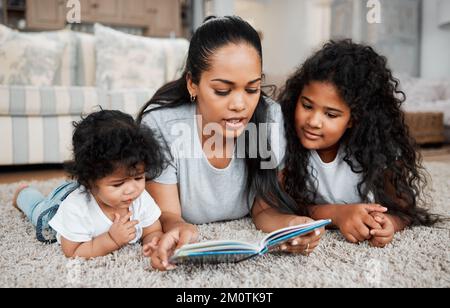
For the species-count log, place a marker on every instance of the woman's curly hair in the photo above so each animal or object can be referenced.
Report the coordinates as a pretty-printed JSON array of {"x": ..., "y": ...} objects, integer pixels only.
[
  {"x": 379, "y": 140},
  {"x": 107, "y": 140}
]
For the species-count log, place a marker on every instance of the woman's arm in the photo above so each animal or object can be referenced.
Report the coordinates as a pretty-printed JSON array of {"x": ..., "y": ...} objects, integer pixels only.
[
  {"x": 152, "y": 232},
  {"x": 177, "y": 231},
  {"x": 268, "y": 219},
  {"x": 167, "y": 197}
]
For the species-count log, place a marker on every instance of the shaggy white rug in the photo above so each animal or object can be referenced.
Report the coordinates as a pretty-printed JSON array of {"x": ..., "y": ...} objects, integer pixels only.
[{"x": 418, "y": 257}]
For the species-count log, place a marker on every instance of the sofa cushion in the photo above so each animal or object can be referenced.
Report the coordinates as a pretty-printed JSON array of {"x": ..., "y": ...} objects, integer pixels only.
[
  {"x": 423, "y": 90},
  {"x": 130, "y": 101},
  {"x": 126, "y": 61},
  {"x": 66, "y": 73},
  {"x": 176, "y": 51},
  {"x": 28, "y": 60},
  {"x": 85, "y": 73},
  {"x": 36, "y": 140},
  {"x": 50, "y": 101}
]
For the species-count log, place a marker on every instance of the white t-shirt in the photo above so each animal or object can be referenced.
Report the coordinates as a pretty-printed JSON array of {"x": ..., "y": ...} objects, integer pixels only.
[
  {"x": 336, "y": 182},
  {"x": 80, "y": 219}
]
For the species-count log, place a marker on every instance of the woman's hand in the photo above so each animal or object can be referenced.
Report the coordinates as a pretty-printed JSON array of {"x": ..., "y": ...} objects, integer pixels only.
[
  {"x": 355, "y": 221},
  {"x": 303, "y": 244},
  {"x": 383, "y": 236},
  {"x": 162, "y": 249}
]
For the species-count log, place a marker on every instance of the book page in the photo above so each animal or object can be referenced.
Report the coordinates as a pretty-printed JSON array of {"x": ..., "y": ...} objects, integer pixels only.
[{"x": 283, "y": 235}]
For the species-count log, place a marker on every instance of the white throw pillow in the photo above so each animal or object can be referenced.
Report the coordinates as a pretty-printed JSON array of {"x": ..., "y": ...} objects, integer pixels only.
[
  {"x": 422, "y": 90},
  {"x": 176, "y": 55},
  {"x": 27, "y": 59},
  {"x": 66, "y": 73},
  {"x": 127, "y": 61}
]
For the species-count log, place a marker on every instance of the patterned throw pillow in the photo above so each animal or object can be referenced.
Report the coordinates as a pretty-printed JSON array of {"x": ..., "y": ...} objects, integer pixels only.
[
  {"x": 126, "y": 61},
  {"x": 28, "y": 60}
]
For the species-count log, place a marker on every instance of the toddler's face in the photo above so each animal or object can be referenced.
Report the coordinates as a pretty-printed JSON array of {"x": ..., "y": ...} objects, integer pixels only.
[
  {"x": 321, "y": 116},
  {"x": 120, "y": 189}
]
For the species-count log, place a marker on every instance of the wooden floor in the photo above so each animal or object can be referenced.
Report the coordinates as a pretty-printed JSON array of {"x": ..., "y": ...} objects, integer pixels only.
[
  {"x": 42, "y": 173},
  {"x": 34, "y": 173}
]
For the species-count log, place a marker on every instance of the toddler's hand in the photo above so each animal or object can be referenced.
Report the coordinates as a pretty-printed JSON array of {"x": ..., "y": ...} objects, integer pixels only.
[
  {"x": 123, "y": 230},
  {"x": 384, "y": 235}
]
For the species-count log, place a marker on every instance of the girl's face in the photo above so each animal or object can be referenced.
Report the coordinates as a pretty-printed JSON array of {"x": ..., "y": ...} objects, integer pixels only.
[
  {"x": 321, "y": 117},
  {"x": 120, "y": 189},
  {"x": 229, "y": 91}
]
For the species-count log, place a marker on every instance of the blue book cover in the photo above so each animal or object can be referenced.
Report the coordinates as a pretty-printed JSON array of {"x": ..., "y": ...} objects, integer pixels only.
[{"x": 216, "y": 252}]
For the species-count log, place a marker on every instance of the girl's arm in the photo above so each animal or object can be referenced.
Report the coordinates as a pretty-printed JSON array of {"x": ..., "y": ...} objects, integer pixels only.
[
  {"x": 100, "y": 246},
  {"x": 325, "y": 212},
  {"x": 121, "y": 233}
]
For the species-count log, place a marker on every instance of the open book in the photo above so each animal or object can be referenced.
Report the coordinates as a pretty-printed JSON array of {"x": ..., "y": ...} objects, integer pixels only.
[{"x": 236, "y": 251}]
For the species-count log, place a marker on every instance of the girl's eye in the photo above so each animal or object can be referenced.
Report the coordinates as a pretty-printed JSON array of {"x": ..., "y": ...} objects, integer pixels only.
[
  {"x": 222, "y": 93},
  {"x": 307, "y": 107},
  {"x": 139, "y": 178},
  {"x": 252, "y": 91},
  {"x": 118, "y": 185},
  {"x": 332, "y": 116}
]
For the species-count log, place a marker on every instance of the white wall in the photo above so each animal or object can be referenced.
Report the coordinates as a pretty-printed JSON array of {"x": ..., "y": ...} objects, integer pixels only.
[
  {"x": 435, "y": 58},
  {"x": 291, "y": 29}
]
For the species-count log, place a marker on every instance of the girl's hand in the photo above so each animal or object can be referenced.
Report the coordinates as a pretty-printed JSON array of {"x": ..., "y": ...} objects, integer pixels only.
[
  {"x": 123, "y": 230},
  {"x": 355, "y": 221},
  {"x": 303, "y": 244},
  {"x": 174, "y": 239},
  {"x": 383, "y": 236}
]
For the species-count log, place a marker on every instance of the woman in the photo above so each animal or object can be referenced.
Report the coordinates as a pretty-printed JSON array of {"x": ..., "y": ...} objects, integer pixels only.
[{"x": 217, "y": 171}]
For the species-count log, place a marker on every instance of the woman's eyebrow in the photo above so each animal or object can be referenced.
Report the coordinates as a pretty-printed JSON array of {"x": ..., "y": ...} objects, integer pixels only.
[{"x": 232, "y": 83}]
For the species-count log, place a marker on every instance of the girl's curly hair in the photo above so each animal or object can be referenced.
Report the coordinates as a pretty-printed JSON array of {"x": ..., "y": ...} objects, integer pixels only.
[
  {"x": 379, "y": 140},
  {"x": 107, "y": 140}
]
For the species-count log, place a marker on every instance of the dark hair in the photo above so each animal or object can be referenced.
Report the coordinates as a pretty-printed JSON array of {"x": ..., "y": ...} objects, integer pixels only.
[
  {"x": 215, "y": 33},
  {"x": 107, "y": 140},
  {"x": 379, "y": 140}
]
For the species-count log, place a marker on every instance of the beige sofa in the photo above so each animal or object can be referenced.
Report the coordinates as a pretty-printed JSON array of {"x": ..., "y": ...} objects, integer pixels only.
[{"x": 36, "y": 119}]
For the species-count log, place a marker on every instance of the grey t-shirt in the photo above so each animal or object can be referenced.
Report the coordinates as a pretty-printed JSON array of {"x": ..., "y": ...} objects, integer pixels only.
[{"x": 208, "y": 194}]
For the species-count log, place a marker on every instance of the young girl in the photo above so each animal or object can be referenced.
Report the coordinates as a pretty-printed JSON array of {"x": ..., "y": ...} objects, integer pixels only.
[
  {"x": 349, "y": 155},
  {"x": 110, "y": 208},
  {"x": 218, "y": 95}
]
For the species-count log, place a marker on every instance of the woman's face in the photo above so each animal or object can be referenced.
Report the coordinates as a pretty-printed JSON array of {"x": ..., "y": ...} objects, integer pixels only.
[
  {"x": 321, "y": 117},
  {"x": 229, "y": 91}
]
